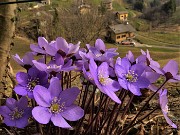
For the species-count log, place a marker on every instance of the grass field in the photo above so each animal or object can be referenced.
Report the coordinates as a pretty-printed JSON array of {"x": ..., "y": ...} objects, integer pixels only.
[{"x": 159, "y": 38}]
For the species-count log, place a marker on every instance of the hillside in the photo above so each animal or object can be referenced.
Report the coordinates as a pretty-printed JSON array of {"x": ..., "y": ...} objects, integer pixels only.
[{"x": 164, "y": 33}]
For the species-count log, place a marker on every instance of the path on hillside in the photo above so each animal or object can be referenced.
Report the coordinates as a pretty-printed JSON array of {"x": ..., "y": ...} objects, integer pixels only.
[{"x": 155, "y": 40}]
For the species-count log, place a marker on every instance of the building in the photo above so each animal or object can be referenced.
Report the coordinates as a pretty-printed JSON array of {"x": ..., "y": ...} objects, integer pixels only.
[
  {"x": 121, "y": 15},
  {"x": 120, "y": 32},
  {"x": 107, "y": 4}
]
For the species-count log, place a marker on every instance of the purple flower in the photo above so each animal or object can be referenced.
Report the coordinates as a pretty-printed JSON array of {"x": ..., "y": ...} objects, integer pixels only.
[
  {"x": 152, "y": 77},
  {"x": 56, "y": 105},
  {"x": 61, "y": 47},
  {"x": 99, "y": 51},
  {"x": 54, "y": 66},
  {"x": 150, "y": 61},
  {"x": 101, "y": 78},
  {"x": 163, "y": 103},
  {"x": 40, "y": 48},
  {"x": 130, "y": 77},
  {"x": 141, "y": 59},
  {"x": 27, "y": 81},
  {"x": 170, "y": 71},
  {"x": 16, "y": 113},
  {"x": 26, "y": 61}
]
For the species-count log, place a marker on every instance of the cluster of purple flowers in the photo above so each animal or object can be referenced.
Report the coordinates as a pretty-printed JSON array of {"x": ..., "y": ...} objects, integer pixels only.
[{"x": 43, "y": 80}]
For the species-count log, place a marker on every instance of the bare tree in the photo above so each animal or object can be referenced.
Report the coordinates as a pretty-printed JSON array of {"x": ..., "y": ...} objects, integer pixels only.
[
  {"x": 74, "y": 26},
  {"x": 7, "y": 28}
]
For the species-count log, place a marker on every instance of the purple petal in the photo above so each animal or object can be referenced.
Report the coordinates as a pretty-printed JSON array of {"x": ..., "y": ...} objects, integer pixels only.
[
  {"x": 69, "y": 95},
  {"x": 11, "y": 103},
  {"x": 73, "y": 113},
  {"x": 37, "y": 49},
  {"x": 152, "y": 76},
  {"x": 112, "y": 95},
  {"x": 158, "y": 70},
  {"x": 169, "y": 121},
  {"x": 5, "y": 111},
  {"x": 73, "y": 48},
  {"x": 62, "y": 44},
  {"x": 143, "y": 82},
  {"x": 18, "y": 59},
  {"x": 40, "y": 66},
  {"x": 125, "y": 64},
  {"x": 154, "y": 63},
  {"x": 22, "y": 78},
  {"x": 41, "y": 114},
  {"x": 123, "y": 83},
  {"x": 9, "y": 122},
  {"x": 43, "y": 78},
  {"x": 172, "y": 67},
  {"x": 27, "y": 59},
  {"x": 21, "y": 90},
  {"x": 59, "y": 121},
  {"x": 33, "y": 72},
  {"x": 134, "y": 89},
  {"x": 163, "y": 100},
  {"x": 141, "y": 59},
  {"x": 143, "y": 52},
  {"x": 22, "y": 103},
  {"x": 51, "y": 50},
  {"x": 27, "y": 112},
  {"x": 118, "y": 61},
  {"x": 138, "y": 69},
  {"x": 42, "y": 42},
  {"x": 130, "y": 56},
  {"x": 42, "y": 96},
  {"x": 30, "y": 95},
  {"x": 93, "y": 69},
  {"x": 112, "y": 85},
  {"x": 100, "y": 45},
  {"x": 59, "y": 59},
  {"x": 153, "y": 87},
  {"x": 120, "y": 71},
  {"x": 68, "y": 64},
  {"x": 110, "y": 54},
  {"x": 55, "y": 87},
  {"x": 22, "y": 122},
  {"x": 103, "y": 70}
]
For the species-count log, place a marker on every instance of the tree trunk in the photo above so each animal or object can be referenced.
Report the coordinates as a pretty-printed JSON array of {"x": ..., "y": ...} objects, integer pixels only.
[{"x": 7, "y": 29}]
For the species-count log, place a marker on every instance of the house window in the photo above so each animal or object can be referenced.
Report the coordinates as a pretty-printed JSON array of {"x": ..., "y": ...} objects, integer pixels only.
[
  {"x": 123, "y": 36},
  {"x": 118, "y": 37}
]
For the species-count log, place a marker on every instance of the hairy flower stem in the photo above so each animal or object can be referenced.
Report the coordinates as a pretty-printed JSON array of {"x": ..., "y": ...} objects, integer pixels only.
[
  {"x": 62, "y": 80},
  {"x": 130, "y": 125},
  {"x": 70, "y": 79},
  {"x": 117, "y": 112},
  {"x": 85, "y": 110},
  {"x": 97, "y": 114},
  {"x": 127, "y": 106},
  {"x": 91, "y": 114},
  {"x": 111, "y": 115},
  {"x": 139, "y": 121},
  {"x": 85, "y": 94},
  {"x": 67, "y": 80}
]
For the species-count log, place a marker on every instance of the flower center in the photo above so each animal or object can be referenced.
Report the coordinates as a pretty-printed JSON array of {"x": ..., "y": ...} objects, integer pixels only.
[
  {"x": 32, "y": 83},
  {"x": 131, "y": 76},
  {"x": 16, "y": 114},
  {"x": 56, "y": 106},
  {"x": 98, "y": 55},
  {"x": 53, "y": 66},
  {"x": 103, "y": 80}
]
